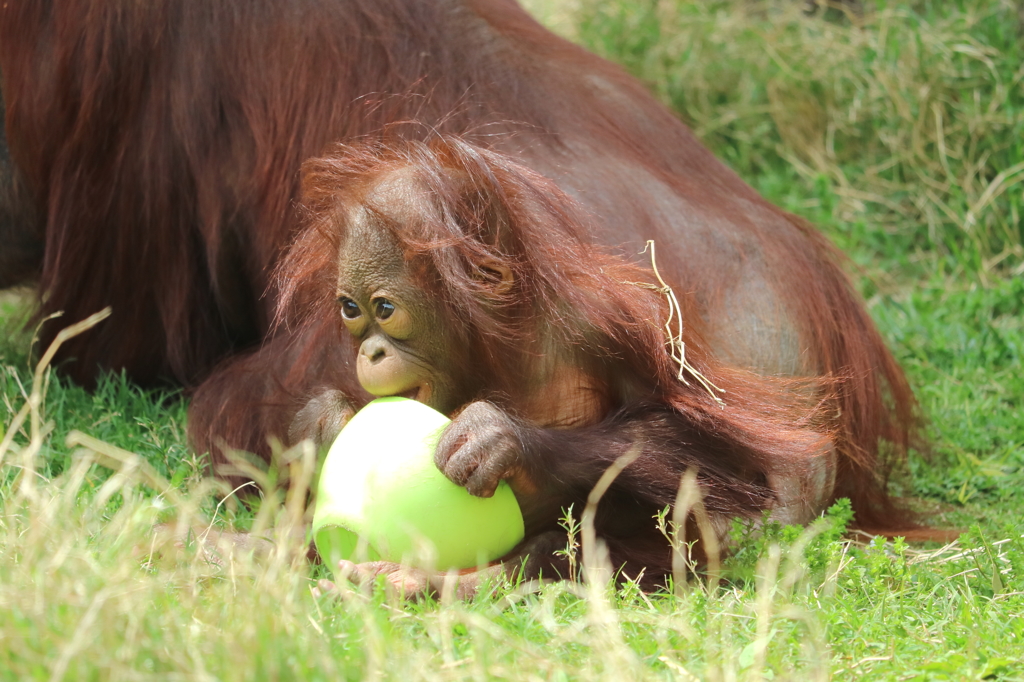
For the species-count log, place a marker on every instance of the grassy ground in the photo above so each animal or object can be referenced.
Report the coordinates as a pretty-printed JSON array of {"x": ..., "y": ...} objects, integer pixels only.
[{"x": 898, "y": 130}]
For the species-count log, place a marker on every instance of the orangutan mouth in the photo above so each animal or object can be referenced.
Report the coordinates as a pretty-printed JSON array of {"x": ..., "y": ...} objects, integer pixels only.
[{"x": 418, "y": 393}]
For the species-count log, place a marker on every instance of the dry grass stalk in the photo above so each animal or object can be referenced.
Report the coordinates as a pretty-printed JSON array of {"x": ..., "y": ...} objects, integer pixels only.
[{"x": 676, "y": 345}]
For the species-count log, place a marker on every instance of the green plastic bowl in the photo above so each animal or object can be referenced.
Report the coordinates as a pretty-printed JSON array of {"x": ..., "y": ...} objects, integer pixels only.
[{"x": 380, "y": 497}]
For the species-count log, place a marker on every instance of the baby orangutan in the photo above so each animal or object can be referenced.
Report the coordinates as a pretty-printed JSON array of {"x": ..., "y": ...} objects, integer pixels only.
[{"x": 469, "y": 282}]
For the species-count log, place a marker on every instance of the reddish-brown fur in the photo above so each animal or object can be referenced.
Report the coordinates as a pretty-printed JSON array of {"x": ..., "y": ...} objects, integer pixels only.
[
  {"x": 159, "y": 143},
  {"x": 571, "y": 306}
]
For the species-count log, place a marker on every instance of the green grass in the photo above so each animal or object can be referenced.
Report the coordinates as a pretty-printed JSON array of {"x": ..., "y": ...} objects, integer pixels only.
[
  {"x": 899, "y": 131},
  {"x": 900, "y": 126}
]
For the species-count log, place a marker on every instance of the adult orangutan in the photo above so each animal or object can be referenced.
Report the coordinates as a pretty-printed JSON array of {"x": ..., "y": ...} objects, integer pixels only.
[{"x": 155, "y": 150}]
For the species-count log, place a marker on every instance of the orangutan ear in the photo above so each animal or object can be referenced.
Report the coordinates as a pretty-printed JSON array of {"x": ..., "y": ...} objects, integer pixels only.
[{"x": 497, "y": 275}]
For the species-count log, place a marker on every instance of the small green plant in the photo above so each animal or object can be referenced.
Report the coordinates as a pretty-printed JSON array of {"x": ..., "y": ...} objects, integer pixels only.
[{"x": 571, "y": 552}]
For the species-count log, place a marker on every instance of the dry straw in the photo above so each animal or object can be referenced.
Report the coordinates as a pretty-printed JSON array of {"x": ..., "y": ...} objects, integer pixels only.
[{"x": 675, "y": 343}]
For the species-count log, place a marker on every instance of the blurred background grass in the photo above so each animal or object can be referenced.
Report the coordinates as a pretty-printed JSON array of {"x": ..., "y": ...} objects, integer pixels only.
[{"x": 894, "y": 126}]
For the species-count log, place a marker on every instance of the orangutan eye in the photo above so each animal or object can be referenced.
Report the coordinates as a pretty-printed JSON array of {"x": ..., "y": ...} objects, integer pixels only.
[
  {"x": 383, "y": 308},
  {"x": 349, "y": 308},
  {"x": 393, "y": 319}
]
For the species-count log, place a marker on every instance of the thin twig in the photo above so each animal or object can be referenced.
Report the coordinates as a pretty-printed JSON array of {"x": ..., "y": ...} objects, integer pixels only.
[{"x": 676, "y": 345}]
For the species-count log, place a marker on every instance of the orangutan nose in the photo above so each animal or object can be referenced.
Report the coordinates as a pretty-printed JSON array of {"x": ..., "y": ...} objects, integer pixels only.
[
  {"x": 382, "y": 370},
  {"x": 373, "y": 349}
]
